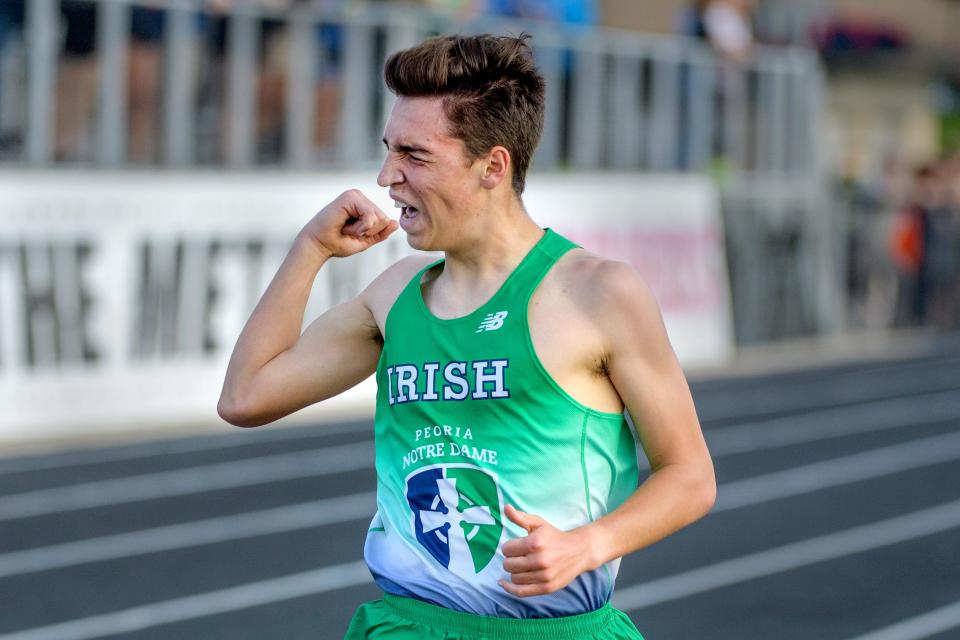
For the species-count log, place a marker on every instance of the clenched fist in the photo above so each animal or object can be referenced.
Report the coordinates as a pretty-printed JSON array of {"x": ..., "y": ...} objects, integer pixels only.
[
  {"x": 348, "y": 225},
  {"x": 547, "y": 559}
]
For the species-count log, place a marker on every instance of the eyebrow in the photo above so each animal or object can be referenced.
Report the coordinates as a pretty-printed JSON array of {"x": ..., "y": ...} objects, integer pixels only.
[{"x": 407, "y": 148}]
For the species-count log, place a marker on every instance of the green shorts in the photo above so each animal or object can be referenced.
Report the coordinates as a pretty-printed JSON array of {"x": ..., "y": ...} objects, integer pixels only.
[{"x": 397, "y": 618}]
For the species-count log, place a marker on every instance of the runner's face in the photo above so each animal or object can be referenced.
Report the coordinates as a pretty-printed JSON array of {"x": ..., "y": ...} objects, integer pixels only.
[{"x": 428, "y": 174}]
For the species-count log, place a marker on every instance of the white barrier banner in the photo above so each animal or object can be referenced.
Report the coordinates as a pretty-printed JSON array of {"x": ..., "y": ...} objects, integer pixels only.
[{"x": 121, "y": 294}]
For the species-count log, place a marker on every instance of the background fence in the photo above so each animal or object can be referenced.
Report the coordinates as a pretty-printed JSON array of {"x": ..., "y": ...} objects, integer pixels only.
[{"x": 174, "y": 84}]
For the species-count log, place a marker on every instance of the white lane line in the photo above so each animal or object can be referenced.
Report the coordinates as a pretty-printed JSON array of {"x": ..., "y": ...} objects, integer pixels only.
[
  {"x": 302, "y": 515},
  {"x": 833, "y": 423},
  {"x": 227, "y": 440},
  {"x": 792, "y": 556},
  {"x": 850, "y": 541},
  {"x": 838, "y": 471},
  {"x": 356, "y": 456},
  {"x": 223, "y": 475},
  {"x": 922, "y": 626},
  {"x": 741, "y": 493},
  {"x": 253, "y": 594}
]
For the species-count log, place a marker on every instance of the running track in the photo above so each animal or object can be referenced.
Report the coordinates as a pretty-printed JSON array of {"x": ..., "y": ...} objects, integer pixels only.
[{"x": 838, "y": 518}]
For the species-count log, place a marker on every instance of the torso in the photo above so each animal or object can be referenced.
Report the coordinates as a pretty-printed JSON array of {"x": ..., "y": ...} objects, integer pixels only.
[{"x": 489, "y": 397}]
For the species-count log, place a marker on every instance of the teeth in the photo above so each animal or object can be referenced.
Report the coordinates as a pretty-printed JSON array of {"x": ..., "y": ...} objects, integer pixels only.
[{"x": 397, "y": 204}]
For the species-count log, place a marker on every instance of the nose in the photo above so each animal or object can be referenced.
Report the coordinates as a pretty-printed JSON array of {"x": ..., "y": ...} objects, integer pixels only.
[{"x": 389, "y": 174}]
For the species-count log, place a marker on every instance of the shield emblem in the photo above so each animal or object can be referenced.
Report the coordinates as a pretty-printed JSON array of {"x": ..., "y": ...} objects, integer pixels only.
[{"x": 456, "y": 515}]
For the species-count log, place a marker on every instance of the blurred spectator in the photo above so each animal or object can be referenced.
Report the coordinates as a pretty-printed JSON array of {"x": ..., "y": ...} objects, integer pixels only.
[
  {"x": 952, "y": 294},
  {"x": 76, "y": 81},
  {"x": 328, "y": 91},
  {"x": 11, "y": 24},
  {"x": 925, "y": 246},
  {"x": 272, "y": 81},
  {"x": 144, "y": 80},
  {"x": 269, "y": 85},
  {"x": 942, "y": 257},
  {"x": 727, "y": 25},
  {"x": 273, "y": 69},
  {"x": 11, "y": 21}
]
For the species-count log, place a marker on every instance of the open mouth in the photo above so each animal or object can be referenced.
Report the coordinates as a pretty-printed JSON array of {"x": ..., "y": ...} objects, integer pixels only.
[{"x": 408, "y": 213}]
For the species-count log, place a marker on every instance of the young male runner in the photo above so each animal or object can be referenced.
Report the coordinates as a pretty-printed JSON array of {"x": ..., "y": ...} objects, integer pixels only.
[{"x": 507, "y": 474}]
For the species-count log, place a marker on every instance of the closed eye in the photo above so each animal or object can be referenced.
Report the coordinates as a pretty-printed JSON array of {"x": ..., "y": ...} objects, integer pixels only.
[{"x": 409, "y": 150}]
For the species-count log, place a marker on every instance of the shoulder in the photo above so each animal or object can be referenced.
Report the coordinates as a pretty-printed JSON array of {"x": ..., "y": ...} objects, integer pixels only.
[
  {"x": 380, "y": 294},
  {"x": 620, "y": 304},
  {"x": 400, "y": 273},
  {"x": 608, "y": 287}
]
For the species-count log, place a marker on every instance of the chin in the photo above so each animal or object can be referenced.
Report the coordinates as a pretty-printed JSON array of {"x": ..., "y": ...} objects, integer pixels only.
[
  {"x": 423, "y": 242},
  {"x": 419, "y": 243}
]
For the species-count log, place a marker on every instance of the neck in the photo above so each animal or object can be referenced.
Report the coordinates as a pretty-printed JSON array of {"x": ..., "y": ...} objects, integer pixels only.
[{"x": 497, "y": 246}]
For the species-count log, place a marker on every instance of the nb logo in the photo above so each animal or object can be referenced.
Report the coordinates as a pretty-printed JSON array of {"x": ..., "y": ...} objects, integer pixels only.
[{"x": 492, "y": 321}]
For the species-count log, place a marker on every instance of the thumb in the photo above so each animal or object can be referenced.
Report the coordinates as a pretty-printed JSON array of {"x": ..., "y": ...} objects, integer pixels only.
[{"x": 526, "y": 520}]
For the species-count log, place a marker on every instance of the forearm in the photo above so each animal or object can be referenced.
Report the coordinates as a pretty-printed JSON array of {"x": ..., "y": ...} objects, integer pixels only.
[
  {"x": 671, "y": 498},
  {"x": 276, "y": 322}
]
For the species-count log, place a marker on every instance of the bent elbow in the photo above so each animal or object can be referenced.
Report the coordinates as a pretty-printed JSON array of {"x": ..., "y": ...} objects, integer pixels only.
[
  {"x": 236, "y": 414},
  {"x": 708, "y": 492},
  {"x": 710, "y": 496}
]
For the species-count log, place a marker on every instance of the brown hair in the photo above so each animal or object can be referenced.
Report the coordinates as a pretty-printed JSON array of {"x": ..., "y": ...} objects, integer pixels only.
[{"x": 492, "y": 91}]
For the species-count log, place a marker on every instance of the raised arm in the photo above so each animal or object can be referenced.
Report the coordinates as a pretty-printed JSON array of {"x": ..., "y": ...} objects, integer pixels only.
[{"x": 274, "y": 370}]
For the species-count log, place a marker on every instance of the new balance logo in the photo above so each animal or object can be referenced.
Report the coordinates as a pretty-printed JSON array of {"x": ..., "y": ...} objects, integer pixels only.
[{"x": 492, "y": 322}]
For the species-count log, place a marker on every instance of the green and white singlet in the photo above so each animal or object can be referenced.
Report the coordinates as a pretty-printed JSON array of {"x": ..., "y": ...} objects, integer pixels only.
[{"x": 468, "y": 420}]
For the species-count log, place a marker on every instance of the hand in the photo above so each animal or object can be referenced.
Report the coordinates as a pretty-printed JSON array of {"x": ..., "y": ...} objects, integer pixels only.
[
  {"x": 547, "y": 559},
  {"x": 348, "y": 225}
]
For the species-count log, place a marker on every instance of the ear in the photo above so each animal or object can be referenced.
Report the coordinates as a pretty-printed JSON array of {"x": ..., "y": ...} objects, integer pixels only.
[{"x": 496, "y": 167}]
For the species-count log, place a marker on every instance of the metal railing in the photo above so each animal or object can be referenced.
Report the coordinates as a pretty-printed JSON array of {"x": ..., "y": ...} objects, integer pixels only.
[{"x": 615, "y": 100}]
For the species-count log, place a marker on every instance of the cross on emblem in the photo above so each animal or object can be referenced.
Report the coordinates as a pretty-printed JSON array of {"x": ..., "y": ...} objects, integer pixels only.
[
  {"x": 456, "y": 515},
  {"x": 457, "y": 538}
]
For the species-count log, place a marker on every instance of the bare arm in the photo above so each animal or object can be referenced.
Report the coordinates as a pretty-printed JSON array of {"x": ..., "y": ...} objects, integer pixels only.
[
  {"x": 682, "y": 487},
  {"x": 647, "y": 375},
  {"x": 274, "y": 370}
]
